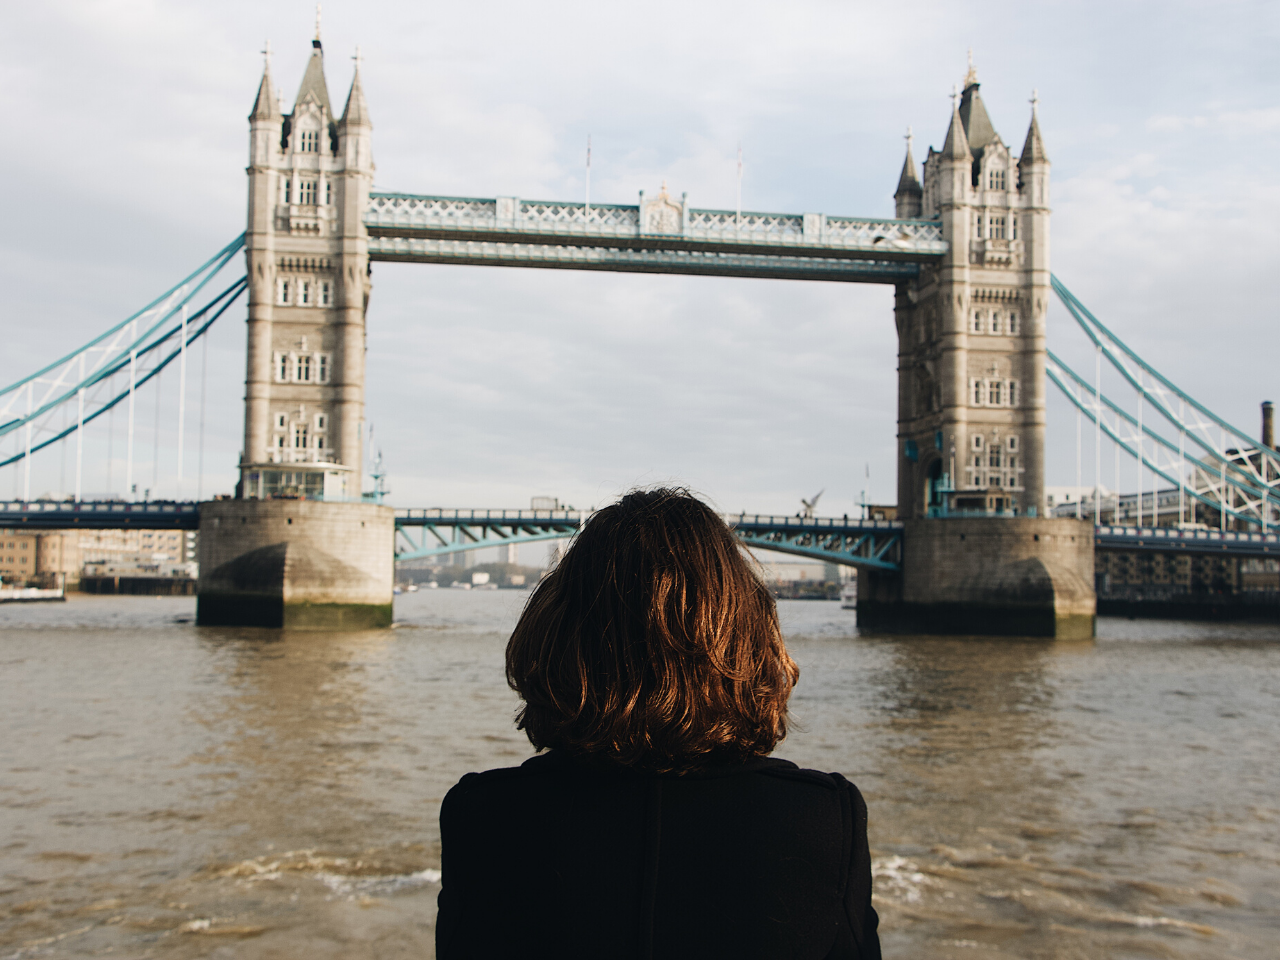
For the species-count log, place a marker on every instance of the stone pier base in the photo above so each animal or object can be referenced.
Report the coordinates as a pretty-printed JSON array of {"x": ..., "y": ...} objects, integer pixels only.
[
  {"x": 303, "y": 564},
  {"x": 1014, "y": 576}
]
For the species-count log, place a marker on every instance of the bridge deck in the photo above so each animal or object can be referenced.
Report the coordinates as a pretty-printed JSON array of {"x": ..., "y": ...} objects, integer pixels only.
[
  {"x": 1189, "y": 541},
  {"x": 574, "y": 236},
  {"x": 754, "y": 528},
  {"x": 99, "y": 515}
]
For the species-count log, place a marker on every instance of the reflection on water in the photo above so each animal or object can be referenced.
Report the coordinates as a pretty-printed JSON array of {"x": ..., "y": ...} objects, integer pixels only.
[{"x": 173, "y": 791}]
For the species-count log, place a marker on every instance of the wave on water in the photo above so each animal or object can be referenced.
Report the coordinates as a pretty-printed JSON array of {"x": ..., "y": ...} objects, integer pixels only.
[
  {"x": 344, "y": 876},
  {"x": 898, "y": 877},
  {"x": 354, "y": 887}
]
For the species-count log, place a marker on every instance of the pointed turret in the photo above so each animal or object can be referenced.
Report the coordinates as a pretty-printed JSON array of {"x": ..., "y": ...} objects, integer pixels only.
[
  {"x": 266, "y": 106},
  {"x": 956, "y": 146},
  {"x": 356, "y": 112},
  {"x": 977, "y": 124},
  {"x": 908, "y": 196},
  {"x": 1033, "y": 148},
  {"x": 313, "y": 84}
]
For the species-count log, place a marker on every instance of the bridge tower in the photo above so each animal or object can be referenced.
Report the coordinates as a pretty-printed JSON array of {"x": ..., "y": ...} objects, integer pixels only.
[
  {"x": 978, "y": 554},
  {"x": 298, "y": 547},
  {"x": 971, "y": 404},
  {"x": 308, "y": 263}
]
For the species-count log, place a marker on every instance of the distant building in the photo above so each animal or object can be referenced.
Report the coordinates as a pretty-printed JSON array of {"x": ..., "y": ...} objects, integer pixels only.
[
  {"x": 61, "y": 554},
  {"x": 18, "y": 552}
]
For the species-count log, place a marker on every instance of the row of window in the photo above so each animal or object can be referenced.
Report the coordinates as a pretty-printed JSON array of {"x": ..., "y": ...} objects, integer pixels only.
[
  {"x": 300, "y": 434},
  {"x": 995, "y": 322},
  {"x": 979, "y": 442},
  {"x": 304, "y": 293},
  {"x": 993, "y": 393},
  {"x": 308, "y": 192},
  {"x": 320, "y": 421},
  {"x": 303, "y": 367},
  {"x": 997, "y": 227},
  {"x": 1009, "y": 480},
  {"x": 309, "y": 141},
  {"x": 301, "y": 439},
  {"x": 995, "y": 458},
  {"x": 995, "y": 180}
]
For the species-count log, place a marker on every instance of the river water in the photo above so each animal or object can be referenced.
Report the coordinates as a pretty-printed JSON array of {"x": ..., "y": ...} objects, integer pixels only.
[{"x": 172, "y": 791}]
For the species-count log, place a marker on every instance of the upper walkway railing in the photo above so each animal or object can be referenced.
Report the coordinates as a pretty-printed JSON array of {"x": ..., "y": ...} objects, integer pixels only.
[
  {"x": 1187, "y": 539},
  {"x": 660, "y": 235},
  {"x": 99, "y": 515}
]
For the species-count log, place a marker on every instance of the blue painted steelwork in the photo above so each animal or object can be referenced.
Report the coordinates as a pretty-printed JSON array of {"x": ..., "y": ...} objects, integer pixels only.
[
  {"x": 1172, "y": 539},
  {"x": 1248, "y": 473},
  {"x": 414, "y": 250},
  {"x": 100, "y": 515},
  {"x": 873, "y": 543},
  {"x": 1052, "y": 371},
  {"x": 659, "y": 236},
  {"x": 422, "y": 534},
  {"x": 222, "y": 302},
  {"x": 138, "y": 344},
  {"x": 850, "y": 543}
]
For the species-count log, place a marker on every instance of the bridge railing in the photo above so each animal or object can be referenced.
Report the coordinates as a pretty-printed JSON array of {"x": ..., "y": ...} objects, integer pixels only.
[
  {"x": 444, "y": 516},
  {"x": 1195, "y": 539},
  {"x": 543, "y": 222},
  {"x": 802, "y": 523},
  {"x": 99, "y": 514}
]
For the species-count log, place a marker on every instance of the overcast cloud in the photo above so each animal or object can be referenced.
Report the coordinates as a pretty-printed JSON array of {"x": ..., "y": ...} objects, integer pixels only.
[{"x": 126, "y": 143}]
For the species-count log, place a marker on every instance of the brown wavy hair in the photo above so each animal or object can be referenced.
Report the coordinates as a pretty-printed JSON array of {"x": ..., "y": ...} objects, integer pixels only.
[{"x": 653, "y": 644}]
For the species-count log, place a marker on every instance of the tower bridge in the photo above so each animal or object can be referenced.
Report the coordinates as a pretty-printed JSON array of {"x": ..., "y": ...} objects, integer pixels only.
[{"x": 967, "y": 253}]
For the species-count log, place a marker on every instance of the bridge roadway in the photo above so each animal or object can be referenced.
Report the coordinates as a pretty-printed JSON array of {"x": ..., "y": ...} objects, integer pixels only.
[
  {"x": 437, "y": 532},
  {"x": 660, "y": 235}
]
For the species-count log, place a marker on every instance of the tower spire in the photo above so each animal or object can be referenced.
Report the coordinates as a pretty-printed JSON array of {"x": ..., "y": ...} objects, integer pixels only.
[
  {"x": 356, "y": 112},
  {"x": 1033, "y": 147},
  {"x": 316, "y": 41},
  {"x": 266, "y": 106},
  {"x": 907, "y": 197},
  {"x": 956, "y": 146}
]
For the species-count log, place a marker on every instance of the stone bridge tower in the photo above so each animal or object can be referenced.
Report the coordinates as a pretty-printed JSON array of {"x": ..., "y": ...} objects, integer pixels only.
[
  {"x": 978, "y": 557},
  {"x": 298, "y": 548},
  {"x": 971, "y": 331},
  {"x": 308, "y": 264}
]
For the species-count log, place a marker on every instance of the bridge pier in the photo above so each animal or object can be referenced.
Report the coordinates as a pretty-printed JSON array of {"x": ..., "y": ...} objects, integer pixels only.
[
  {"x": 1002, "y": 576},
  {"x": 301, "y": 564}
]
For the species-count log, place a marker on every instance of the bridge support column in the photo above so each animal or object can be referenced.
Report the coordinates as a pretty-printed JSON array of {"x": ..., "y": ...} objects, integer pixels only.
[
  {"x": 1000, "y": 576},
  {"x": 301, "y": 564}
]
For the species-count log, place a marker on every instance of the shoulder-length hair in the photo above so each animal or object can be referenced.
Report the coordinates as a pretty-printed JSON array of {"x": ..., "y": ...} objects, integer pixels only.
[{"x": 653, "y": 644}]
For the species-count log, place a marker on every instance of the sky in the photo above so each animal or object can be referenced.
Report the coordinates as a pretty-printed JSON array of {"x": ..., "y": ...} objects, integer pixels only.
[{"x": 126, "y": 142}]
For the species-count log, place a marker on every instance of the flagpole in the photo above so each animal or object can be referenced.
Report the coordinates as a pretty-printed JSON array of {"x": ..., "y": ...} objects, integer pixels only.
[{"x": 738, "y": 218}]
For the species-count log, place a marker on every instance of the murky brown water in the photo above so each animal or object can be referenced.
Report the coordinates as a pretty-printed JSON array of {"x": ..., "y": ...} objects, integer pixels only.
[{"x": 168, "y": 791}]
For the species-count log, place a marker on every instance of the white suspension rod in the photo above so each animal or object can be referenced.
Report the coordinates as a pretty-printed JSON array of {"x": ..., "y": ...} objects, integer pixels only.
[
  {"x": 79, "y": 438},
  {"x": 128, "y": 463},
  {"x": 1078, "y": 463},
  {"x": 1141, "y": 395},
  {"x": 182, "y": 397},
  {"x": 1097, "y": 436},
  {"x": 26, "y": 460}
]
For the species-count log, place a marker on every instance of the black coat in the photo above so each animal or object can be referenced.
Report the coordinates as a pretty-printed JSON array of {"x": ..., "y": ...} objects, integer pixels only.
[{"x": 563, "y": 859}]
